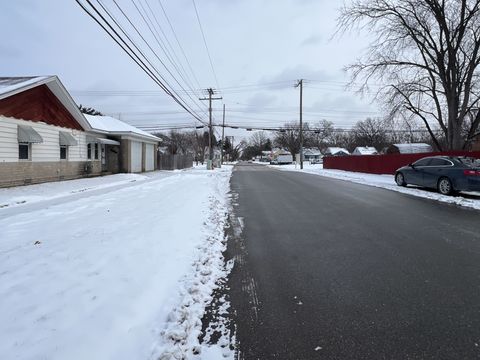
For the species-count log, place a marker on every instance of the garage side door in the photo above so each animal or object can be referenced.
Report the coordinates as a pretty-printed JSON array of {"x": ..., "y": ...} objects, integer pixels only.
[
  {"x": 136, "y": 156},
  {"x": 149, "y": 157}
]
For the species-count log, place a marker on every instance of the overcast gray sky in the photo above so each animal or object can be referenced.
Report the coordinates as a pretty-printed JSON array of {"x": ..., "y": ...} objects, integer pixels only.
[{"x": 258, "y": 49}]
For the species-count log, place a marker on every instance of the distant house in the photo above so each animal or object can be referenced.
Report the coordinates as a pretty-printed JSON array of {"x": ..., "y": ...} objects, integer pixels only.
[
  {"x": 312, "y": 154},
  {"x": 365, "y": 150},
  {"x": 43, "y": 134},
  {"x": 411, "y": 148},
  {"x": 336, "y": 151},
  {"x": 123, "y": 147}
]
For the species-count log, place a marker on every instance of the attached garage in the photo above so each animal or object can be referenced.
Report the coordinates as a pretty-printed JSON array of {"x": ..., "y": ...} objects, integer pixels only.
[
  {"x": 136, "y": 156},
  {"x": 149, "y": 157},
  {"x": 137, "y": 147}
]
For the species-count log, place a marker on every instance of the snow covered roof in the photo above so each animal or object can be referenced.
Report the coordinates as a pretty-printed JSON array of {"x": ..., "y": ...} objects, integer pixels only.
[
  {"x": 278, "y": 151},
  {"x": 365, "y": 150},
  {"x": 336, "y": 150},
  {"x": 413, "y": 148},
  {"x": 314, "y": 152},
  {"x": 110, "y": 125},
  {"x": 10, "y": 86}
]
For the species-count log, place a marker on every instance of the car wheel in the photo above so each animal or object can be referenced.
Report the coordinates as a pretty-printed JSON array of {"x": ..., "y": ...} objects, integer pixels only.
[
  {"x": 445, "y": 186},
  {"x": 400, "y": 179}
]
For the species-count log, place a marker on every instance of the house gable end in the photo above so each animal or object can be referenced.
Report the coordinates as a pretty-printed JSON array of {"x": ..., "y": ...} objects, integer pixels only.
[{"x": 38, "y": 104}]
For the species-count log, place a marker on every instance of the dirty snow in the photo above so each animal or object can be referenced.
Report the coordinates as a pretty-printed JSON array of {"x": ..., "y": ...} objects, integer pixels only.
[
  {"x": 469, "y": 200},
  {"x": 120, "y": 274}
]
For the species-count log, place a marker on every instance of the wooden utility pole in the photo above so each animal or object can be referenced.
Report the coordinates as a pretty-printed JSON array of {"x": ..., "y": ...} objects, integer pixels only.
[
  {"x": 223, "y": 134},
  {"x": 300, "y": 84},
  {"x": 210, "y": 127}
]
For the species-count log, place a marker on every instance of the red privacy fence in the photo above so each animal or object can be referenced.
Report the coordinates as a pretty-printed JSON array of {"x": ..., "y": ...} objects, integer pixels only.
[{"x": 382, "y": 164}]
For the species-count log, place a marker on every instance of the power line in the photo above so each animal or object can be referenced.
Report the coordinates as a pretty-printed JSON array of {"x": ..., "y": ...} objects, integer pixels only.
[
  {"x": 134, "y": 56},
  {"x": 148, "y": 45},
  {"x": 178, "y": 42},
  {"x": 205, "y": 43}
]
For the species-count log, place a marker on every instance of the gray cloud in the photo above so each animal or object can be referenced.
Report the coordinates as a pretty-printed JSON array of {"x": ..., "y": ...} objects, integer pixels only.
[{"x": 312, "y": 40}]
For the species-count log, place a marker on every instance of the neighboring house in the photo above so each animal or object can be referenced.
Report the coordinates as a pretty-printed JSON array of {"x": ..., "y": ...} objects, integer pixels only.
[
  {"x": 123, "y": 146},
  {"x": 412, "y": 148},
  {"x": 365, "y": 150},
  {"x": 42, "y": 132},
  {"x": 312, "y": 155},
  {"x": 336, "y": 151}
]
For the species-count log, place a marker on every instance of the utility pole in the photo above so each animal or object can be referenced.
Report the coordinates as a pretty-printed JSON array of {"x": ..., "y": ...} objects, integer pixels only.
[
  {"x": 300, "y": 84},
  {"x": 223, "y": 134},
  {"x": 210, "y": 128}
]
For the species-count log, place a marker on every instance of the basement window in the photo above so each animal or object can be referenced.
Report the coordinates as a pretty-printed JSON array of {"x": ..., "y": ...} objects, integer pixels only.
[{"x": 24, "y": 151}]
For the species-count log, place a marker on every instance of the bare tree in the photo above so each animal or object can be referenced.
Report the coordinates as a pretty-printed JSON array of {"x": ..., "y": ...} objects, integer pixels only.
[
  {"x": 426, "y": 54},
  {"x": 371, "y": 132},
  {"x": 258, "y": 140},
  {"x": 289, "y": 137},
  {"x": 322, "y": 134}
]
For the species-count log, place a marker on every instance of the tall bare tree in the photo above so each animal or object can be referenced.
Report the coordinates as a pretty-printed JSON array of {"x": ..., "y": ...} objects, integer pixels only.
[
  {"x": 426, "y": 54},
  {"x": 289, "y": 137},
  {"x": 371, "y": 132}
]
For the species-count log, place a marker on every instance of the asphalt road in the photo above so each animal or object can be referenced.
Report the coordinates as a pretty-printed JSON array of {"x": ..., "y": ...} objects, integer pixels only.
[{"x": 328, "y": 269}]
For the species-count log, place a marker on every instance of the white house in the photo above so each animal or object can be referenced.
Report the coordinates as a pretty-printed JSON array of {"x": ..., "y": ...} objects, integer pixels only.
[
  {"x": 365, "y": 150},
  {"x": 312, "y": 154},
  {"x": 43, "y": 134},
  {"x": 336, "y": 151},
  {"x": 136, "y": 149}
]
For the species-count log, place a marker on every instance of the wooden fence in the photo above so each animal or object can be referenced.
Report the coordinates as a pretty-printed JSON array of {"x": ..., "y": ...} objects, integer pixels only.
[
  {"x": 383, "y": 164},
  {"x": 174, "y": 162}
]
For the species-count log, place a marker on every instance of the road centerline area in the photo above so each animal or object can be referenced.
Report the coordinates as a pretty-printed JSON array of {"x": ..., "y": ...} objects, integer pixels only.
[{"x": 345, "y": 271}]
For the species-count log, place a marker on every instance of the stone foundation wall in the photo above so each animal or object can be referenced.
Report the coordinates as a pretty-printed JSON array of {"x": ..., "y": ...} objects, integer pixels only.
[{"x": 31, "y": 172}]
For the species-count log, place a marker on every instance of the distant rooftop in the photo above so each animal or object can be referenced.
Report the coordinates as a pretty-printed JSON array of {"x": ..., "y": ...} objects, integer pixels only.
[{"x": 412, "y": 148}]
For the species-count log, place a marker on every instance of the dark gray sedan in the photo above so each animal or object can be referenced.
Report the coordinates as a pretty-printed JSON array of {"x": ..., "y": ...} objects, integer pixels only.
[{"x": 447, "y": 174}]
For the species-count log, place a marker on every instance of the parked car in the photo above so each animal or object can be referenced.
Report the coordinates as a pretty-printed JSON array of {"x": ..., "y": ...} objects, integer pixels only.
[{"x": 447, "y": 174}]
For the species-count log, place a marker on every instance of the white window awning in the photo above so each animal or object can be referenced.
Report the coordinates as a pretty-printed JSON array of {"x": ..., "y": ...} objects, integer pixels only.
[
  {"x": 67, "y": 139},
  {"x": 108, "y": 141},
  {"x": 26, "y": 134}
]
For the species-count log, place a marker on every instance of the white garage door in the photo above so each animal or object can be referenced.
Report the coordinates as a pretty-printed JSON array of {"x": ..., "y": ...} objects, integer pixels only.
[
  {"x": 136, "y": 156},
  {"x": 149, "y": 157}
]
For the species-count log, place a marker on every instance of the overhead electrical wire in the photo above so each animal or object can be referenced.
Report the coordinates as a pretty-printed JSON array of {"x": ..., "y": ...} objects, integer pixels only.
[
  {"x": 178, "y": 43},
  {"x": 157, "y": 78},
  {"x": 146, "y": 42},
  {"x": 206, "y": 46}
]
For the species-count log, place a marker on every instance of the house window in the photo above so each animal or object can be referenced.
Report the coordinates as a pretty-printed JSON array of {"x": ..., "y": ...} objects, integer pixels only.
[
  {"x": 96, "y": 151},
  {"x": 24, "y": 151},
  {"x": 63, "y": 152},
  {"x": 89, "y": 151}
]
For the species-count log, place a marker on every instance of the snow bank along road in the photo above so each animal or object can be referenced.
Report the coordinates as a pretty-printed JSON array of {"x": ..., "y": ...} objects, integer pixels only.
[
  {"x": 469, "y": 200},
  {"x": 117, "y": 273},
  {"x": 330, "y": 269}
]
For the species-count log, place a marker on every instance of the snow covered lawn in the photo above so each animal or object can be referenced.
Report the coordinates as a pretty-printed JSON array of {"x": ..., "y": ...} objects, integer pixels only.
[
  {"x": 34, "y": 193},
  {"x": 118, "y": 274},
  {"x": 470, "y": 200}
]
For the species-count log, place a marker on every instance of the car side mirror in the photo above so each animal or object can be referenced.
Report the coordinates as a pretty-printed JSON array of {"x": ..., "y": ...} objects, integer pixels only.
[{"x": 411, "y": 165}]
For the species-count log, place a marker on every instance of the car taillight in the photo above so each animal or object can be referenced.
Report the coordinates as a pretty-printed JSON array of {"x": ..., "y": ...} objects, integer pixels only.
[{"x": 469, "y": 172}]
